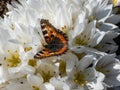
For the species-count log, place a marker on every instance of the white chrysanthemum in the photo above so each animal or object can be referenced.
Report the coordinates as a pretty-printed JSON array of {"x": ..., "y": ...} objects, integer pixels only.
[
  {"x": 98, "y": 83},
  {"x": 110, "y": 67},
  {"x": 56, "y": 11},
  {"x": 59, "y": 84},
  {"x": 21, "y": 34},
  {"x": 107, "y": 44},
  {"x": 18, "y": 84},
  {"x": 81, "y": 74},
  {"x": 37, "y": 83},
  {"x": 13, "y": 59},
  {"x": 47, "y": 71},
  {"x": 31, "y": 82},
  {"x": 13, "y": 62},
  {"x": 100, "y": 11},
  {"x": 114, "y": 18},
  {"x": 84, "y": 33}
]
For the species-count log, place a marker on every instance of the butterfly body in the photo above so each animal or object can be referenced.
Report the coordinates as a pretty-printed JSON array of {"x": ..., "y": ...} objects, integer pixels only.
[{"x": 57, "y": 42}]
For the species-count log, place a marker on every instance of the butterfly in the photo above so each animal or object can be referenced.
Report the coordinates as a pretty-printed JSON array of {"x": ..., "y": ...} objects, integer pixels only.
[{"x": 57, "y": 41}]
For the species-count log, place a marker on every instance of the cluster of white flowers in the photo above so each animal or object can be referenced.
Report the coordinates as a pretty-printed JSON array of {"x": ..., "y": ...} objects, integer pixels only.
[{"x": 90, "y": 62}]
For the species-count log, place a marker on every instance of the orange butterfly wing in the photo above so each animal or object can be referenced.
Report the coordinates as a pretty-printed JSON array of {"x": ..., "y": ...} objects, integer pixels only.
[{"x": 57, "y": 42}]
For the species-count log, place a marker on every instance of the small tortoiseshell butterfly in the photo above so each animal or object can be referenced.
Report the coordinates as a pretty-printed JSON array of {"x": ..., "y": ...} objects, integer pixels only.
[{"x": 57, "y": 42}]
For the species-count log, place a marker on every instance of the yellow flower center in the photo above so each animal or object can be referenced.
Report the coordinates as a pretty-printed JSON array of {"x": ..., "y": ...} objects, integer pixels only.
[
  {"x": 46, "y": 71},
  {"x": 32, "y": 62},
  {"x": 82, "y": 39},
  {"x": 62, "y": 67},
  {"x": 35, "y": 88},
  {"x": 79, "y": 78},
  {"x": 14, "y": 59},
  {"x": 26, "y": 49},
  {"x": 101, "y": 69},
  {"x": 64, "y": 29},
  {"x": 115, "y": 2},
  {"x": 12, "y": 27},
  {"x": 79, "y": 55},
  {"x": 91, "y": 19},
  {"x": 46, "y": 76}
]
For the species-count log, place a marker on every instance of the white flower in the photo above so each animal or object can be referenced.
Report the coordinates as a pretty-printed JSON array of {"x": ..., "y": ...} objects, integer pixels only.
[
  {"x": 114, "y": 18},
  {"x": 3, "y": 76},
  {"x": 98, "y": 83},
  {"x": 13, "y": 59},
  {"x": 47, "y": 71},
  {"x": 56, "y": 11},
  {"x": 32, "y": 82},
  {"x": 18, "y": 84},
  {"x": 84, "y": 33},
  {"x": 108, "y": 44},
  {"x": 37, "y": 83},
  {"x": 59, "y": 84},
  {"x": 110, "y": 67},
  {"x": 81, "y": 74},
  {"x": 69, "y": 59},
  {"x": 14, "y": 63},
  {"x": 100, "y": 11},
  {"x": 21, "y": 34}
]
